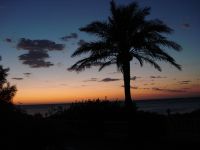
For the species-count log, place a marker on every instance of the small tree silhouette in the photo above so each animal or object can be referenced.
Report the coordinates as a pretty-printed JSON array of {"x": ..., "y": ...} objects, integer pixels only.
[
  {"x": 125, "y": 36},
  {"x": 7, "y": 92}
]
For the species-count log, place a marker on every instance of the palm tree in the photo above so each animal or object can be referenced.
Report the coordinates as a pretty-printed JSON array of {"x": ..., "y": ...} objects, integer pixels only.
[{"x": 125, "y": 36}]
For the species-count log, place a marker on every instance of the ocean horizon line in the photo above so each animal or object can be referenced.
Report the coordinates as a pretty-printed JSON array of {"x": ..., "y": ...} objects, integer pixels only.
[{"x": 112, "y": 100}]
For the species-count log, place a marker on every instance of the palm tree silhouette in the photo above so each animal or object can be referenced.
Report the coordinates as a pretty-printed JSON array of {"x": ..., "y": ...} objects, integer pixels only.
[{"x": 125, "y": 36}]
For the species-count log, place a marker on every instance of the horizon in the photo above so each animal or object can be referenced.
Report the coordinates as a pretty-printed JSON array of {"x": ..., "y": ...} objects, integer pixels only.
[
  {"x": 58, "y": 22},
  {"x": 120, "y": 100}
]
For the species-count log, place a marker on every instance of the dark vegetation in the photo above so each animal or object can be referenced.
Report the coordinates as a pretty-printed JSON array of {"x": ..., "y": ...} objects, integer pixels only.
[{"x": 98, "y": 125}]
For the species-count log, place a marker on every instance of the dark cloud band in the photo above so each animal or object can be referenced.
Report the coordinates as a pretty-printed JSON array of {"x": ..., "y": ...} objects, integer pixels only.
[
  {"x": 109, "y": 79},
  {"x": 68, "y": 37},
  {"x": 36, "y": 59},
  {"x": 184, "y": 82},
  {"x": 9, "y": 40},
  {"x": 37, "y": 52},
  {"x": 157, "y": 77},
  {"x": 17, "y": 78},
  {"x": 168, "y": 90},
  {"x": 27, "y": 74},
  {"x": 27, "y": 44},
  {"x": 81, "y": 42},
  {"x": 91, "y": 80}
]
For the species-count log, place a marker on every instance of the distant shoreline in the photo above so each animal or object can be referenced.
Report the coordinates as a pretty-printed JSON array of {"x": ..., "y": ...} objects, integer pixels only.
[
  {"x": 175, "y": 105},
  {"x": 142, "y": 100}
]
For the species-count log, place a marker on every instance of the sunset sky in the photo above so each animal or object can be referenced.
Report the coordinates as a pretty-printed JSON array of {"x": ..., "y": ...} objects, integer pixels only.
[{"x": 43, "y": 77}]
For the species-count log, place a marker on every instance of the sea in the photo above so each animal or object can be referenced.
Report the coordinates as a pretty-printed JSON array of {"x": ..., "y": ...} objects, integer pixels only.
[{"x": 161, "y": 106}]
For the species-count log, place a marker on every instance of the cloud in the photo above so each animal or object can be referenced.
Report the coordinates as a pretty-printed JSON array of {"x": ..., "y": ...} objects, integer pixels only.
[
  {"x": 9, "y": 40},
  {"x": 0, "y": 58},
  {"x": 68, "y": 37},
  {"x": 132, "y": 87},
  {"x": 91, "y": 80},
  {"x": 133, "y": 78},
  {"x": 35, "y": 59},
  {"x": 17, "y": 78},
  {"x": 145, "y": 88},
  {"x": 186, "y": 26},
  {"x": 38, "y": 45},
  {"x": 37, "y": 52},
  {"x": 81, "y": 42},
  {"x": 157, "y": 77},
  {"x": 168, "y": 90},
  {"x": 109, "y": 79},
  {"x": 114, "y": 72},
  {"x": 27, "y": 74},
  {"x": 184, "y": 82}
]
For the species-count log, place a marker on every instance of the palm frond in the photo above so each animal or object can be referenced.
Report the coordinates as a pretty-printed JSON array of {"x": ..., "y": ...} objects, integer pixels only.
[
  {"x": 147, "y": 59},
  {"x": 83, "y": 64},
  {"x": 167, "y": 43},
  {"x": 156, "y": 26},
  {"x": 103, "y": 65},
  {"x": 94, "y": 59},
  {"x": 153, "y": 63},
  {"x": 91, "y": 47},
  {"x": 169, "y": 59},
  {"x": 96, "y": 28}
]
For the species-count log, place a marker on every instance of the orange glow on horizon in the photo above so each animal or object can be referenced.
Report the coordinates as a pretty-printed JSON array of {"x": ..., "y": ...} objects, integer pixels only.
[{"x": 64, "y": 95}]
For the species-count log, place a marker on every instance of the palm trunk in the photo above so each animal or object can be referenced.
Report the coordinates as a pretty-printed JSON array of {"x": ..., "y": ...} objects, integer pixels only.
[{"x": 127, "y": 87}]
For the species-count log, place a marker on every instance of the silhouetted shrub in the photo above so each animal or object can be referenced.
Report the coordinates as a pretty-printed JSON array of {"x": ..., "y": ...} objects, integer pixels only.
[
  {"x": 7, "y": 92},
  {"x": 94, "y": 110}
]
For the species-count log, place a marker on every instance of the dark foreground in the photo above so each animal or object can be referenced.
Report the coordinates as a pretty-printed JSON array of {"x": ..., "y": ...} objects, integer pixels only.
[{"x": 97, "y": 126}]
